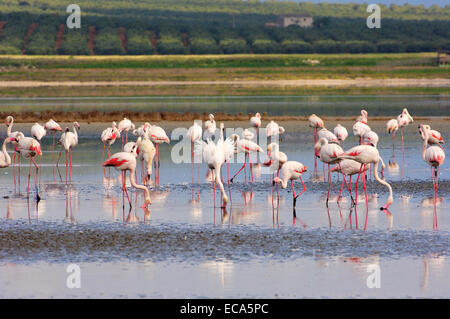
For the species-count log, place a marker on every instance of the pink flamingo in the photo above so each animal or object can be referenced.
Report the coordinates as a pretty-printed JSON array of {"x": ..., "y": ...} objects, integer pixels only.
[
  {"x": 108, "y": 137},
  {"x": 363, "y": 117},
  {"x": 255, "y": 121},
  {"x": 341, "y": 133},
  {"x": 328, "y": 154},
  {"x": 125, "y": 162},
  {"x": 403, "y": 120},
  {"x": 273, "y": 129},
  {"x": 349, "y": 168},
  {"x": 210, "y": 125},
  {"x": 434, "y": 137},
  {"x": 359, "y": 129},
  {"x": 125, "y": 125},
  {"x": 392, "y": 127},
  {"x": 291, "y": 171},
  {"x": 245, "y": 146},
  {"x": 367, "y": 154},
  {"x": 53, "y": 127},
  {"x": 5, "y": 159},
  {"x": 215, "y": 155},
  {"x": 158, "y": 136},
  {"x": 15, "y": 135},
  {"x": 433, "y": 155},
  {"x": 315, "y": 122},
  {"x": 327, "y": 135},
  {"x": 29, "y": 148},
  {"x": 275, "y": 160},
  {"x": 38, "y": 131},
  {"x": 69, "y": 140},
  {"x": 194, "y": 134}
]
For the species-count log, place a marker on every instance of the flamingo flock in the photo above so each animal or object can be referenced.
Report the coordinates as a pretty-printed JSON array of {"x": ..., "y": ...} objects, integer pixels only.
[{"x": 361, "y": 160}]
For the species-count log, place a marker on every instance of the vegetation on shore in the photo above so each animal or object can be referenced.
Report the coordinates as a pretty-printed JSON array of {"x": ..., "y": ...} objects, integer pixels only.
[{"x": 111, "y": 27}]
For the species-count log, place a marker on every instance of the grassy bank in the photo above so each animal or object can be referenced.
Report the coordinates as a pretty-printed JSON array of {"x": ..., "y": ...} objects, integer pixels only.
[{"x": 218, "y": 68}]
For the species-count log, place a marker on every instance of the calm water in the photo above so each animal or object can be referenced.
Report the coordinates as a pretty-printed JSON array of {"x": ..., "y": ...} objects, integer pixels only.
[
  {"x": 184, "y": 247},
  {"x": 376, "y": 105}
]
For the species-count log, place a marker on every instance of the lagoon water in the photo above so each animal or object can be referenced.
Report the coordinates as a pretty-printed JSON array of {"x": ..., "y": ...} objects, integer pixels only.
[{"x": 183, "y": 246}]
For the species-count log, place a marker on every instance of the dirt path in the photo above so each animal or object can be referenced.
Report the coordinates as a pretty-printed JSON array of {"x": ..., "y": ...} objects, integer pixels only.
[{"x": 361, "y": 82}]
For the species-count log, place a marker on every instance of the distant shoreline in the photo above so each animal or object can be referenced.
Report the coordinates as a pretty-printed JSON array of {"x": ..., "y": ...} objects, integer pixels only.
[{"x": 359, "y": 82}]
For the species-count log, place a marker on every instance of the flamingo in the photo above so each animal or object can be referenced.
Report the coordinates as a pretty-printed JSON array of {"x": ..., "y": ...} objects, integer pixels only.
[
  {"x": 255, "y": 121},
  {"x": 38, "y": 131},
  {"x": 16, "y": 134},
  {"x": 69, "y": 140},
  {"x": 341, "y": 133},
  {"x": 125, "y": 162},
  {"x": 433, "y": 155},
  {"x": 291, "y": 171},
  {"x": 363, "y": 117},
  {"x": 247, "y": 134},
  {"x": 53, "y": 127},
  {"x": 194, "y": 134},
  {"x": 140, "y": 131},
  {"x": 29, "y": 148},
  {"x": 5, "y": 159},
  {"x": 245, "y": 146},
  {"x": 215, "y": 154},
  {"x": 273, "y": 129},
  {"x": 125, "y": 125},
  {"x": 403, "y": 120},
  {"x": 315, "y": 122},
  {"x": 434, "y": 137},
  {"x": 370, "y": 138},
  {"x": 367, "y": 154},
  {"x": 359, "y": 129},
  {"x": 392, "y": 127},
  {"x": 328, "y": 135},
  {"x": 275, "y": 160},
  {"x": 147, "y": 152},
  {"x": 108, "y": 137},
  {"x": 328, "y": 154},
  {"x": 348, "y": 167},
  {"x": 158, "y": 136},
  {"x": 210, "y": 125}
]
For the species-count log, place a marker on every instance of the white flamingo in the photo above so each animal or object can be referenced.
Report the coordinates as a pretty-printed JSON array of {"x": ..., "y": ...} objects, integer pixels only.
[
  {"x": 247, "y": 147},
  {"x": 68, "y": 141},
  {"x": 125, "y": 162},
  {"x": 5, "y": 159},
  {"x": 125, "y": 126},
  {"x": 341, "y": 133},
  {"x": 29, "y": 148},
  {"x": 38, "y": 131},
  {"x": 215, "y": 155},
  {"x": 291, "y": 171}
]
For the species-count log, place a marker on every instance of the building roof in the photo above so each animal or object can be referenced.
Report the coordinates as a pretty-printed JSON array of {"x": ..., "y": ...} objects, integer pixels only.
[{"x": 297, "y": 15}]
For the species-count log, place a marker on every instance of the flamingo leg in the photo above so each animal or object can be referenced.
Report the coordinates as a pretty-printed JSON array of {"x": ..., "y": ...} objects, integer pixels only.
[
  {"x": 67, "y": 164},
  {"x": 36, "y": 181},
  {"x": 340, "y": 191},
  {"x": 293, "y": 200},
  {"x": 14, "y": 171},
  {"x": 18, "y": 176},
  {"x": 213, "y": 179},
  {"x": 29, "y": 174},
  {"x": 329, "y": 183},
  {"x": 365, "y": 195},
  {"x": 245, "y": 161},
  {"x": 356, "y": 195}
]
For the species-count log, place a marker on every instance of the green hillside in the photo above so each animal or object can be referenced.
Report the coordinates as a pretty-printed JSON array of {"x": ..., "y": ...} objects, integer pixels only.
[{"x": 116, "y": 27}]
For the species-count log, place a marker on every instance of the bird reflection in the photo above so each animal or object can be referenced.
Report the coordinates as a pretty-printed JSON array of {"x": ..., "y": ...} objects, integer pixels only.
[
  {"x": 109, "y": 204},
  {"x": 393, "y": 167},
  {"x": 222, "y": 268},
  {"x": 195, "y": 205},
  {"x": 71, "y": 192},
  {"x": 429, "y": 205}
]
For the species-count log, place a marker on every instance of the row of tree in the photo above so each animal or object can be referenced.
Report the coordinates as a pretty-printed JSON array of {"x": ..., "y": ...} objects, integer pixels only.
[{"x": 194, "y": 34}]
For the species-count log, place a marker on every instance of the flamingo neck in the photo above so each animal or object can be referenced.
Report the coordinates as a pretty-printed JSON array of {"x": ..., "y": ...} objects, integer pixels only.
[
  {"x": 133, "y": 183},
  {"x": 379, "y": 180},
  {"x": 5, "y": 153}
]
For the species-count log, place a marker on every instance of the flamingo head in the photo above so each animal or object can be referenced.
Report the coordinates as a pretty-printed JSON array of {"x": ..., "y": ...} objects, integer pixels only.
[
  {"x": 11, "y": 139},
  {"x": 258, "y": 115},
  {"x": 67, "y": 129},
  {"x": 77, "y": 125},
  {"x": 8, "y": 121}
]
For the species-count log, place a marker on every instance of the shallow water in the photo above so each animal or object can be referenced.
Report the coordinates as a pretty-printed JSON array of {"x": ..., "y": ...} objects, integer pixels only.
[
  {"x": 332, "y": 105},
  {"x": 183, "y": 246}
]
